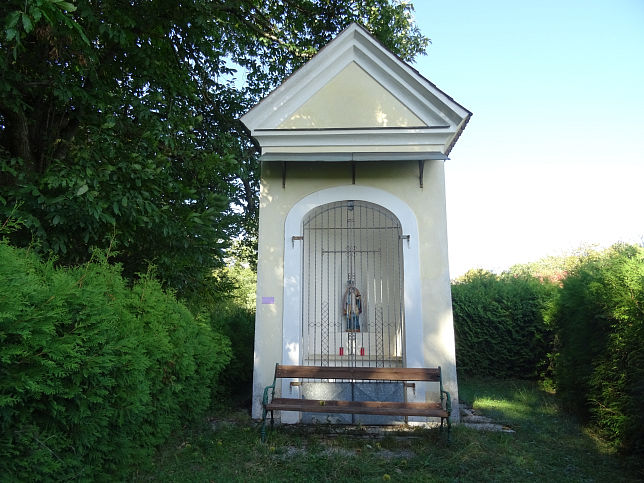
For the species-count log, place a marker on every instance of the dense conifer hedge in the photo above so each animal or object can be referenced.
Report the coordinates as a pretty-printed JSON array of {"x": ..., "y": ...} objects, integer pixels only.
[
  {"x": 599, "y": 360},
  {"x": 94, "y": 374},
  {"x": 499, "y": 324},
  {"x": 581, "y": 324}
]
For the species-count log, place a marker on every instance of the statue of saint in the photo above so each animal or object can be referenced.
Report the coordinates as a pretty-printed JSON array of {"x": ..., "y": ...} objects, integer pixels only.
[{"x": 352, "y": 307}]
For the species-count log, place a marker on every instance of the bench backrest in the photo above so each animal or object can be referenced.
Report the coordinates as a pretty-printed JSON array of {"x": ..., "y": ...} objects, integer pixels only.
[{"x": 360, "y": 373}]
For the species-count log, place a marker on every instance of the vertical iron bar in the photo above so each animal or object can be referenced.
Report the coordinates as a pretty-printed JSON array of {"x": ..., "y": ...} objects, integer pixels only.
[
  {"x": 393, "y": 236},
  {"x": 401, "y": 283},
  {"x": 362, "y": 248},
  {"x": 387, "y": 292},
  {"x": 372, "y": 297},
  {"x": 391, "y": 352},
  {"x": 379, "y": 341},
  {"x": 315, "y": 291},
  {"x": 304, "y": 284},
  {"x": 395, "y": 286},
  {"x": 328, "y": 285},
  {"x": 386, "y": 281},
  {"x": 341, "y": 277},
  {"x": 307, "y": 267},
  {"x": 352, "y": 269},
  {"x": 324, "y": 337},
  {"x": 384, "y": 302},
  {"x": 377, "y": 282},
  {"x": 334, "y": 294}
]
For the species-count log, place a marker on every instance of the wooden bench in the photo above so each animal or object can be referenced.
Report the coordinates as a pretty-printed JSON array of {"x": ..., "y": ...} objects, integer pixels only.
[{"x": 440, "y": 409}]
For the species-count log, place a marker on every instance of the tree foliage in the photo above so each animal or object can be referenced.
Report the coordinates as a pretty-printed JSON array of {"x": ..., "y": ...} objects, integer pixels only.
[
  {"x": 233, "y": 314},
  {"x": 120, "y": 119},
  {"x": 555, "y": 268}
]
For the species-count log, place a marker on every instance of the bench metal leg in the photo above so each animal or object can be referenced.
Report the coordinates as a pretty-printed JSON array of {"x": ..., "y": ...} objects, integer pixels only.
[
  {"x": 263, "y": 430},
  {"x": 449, "y": 428}
]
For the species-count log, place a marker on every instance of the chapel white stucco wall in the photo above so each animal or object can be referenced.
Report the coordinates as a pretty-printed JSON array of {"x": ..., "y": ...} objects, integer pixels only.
[{"x": 398, "y": 179}]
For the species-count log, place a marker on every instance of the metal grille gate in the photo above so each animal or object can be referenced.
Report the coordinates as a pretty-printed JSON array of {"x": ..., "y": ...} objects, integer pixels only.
[{"x": 352, "y": 286}]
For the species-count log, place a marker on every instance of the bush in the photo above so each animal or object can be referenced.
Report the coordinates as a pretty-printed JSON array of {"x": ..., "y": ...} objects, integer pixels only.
[
  {"x": 94, "y": 374},
  {"x": 238, "y": 324},
  {"x": 599, "y": 359},
  {"x": 499, "y": 324},
  {"x": 234, "y": 316}
]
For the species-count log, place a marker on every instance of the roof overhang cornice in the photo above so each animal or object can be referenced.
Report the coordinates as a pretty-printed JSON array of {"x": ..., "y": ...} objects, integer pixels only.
[
  {"x": 354, "y": 140},
  {"x": 443, "y": 118},
  {"x": 339, "y": 157}
]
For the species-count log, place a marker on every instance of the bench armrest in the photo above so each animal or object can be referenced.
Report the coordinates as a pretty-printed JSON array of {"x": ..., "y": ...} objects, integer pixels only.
[
  {"x": 448, "y": 402},
  {"x": 265, "y": 398},
  {"x": 272, "y": 386}
]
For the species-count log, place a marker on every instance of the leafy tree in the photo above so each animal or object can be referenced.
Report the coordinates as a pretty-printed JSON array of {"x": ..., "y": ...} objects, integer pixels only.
[
  {"x": 554, "y": 268},
  {"x": 120, "y": 119},
  {"x": 233, "y": 314}
]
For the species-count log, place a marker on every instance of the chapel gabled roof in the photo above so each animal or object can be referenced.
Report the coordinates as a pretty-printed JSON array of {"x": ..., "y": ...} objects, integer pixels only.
[{"x": 355, "y": 96}]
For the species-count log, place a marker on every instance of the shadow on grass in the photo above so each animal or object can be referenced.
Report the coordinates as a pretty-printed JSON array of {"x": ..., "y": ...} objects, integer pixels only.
[
  {"x": 547, "y": 445},
  {"x": 548, "y": 442}
]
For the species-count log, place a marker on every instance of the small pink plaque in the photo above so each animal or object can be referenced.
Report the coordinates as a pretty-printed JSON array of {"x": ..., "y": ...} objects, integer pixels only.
[{"x": 268, "y": 300}]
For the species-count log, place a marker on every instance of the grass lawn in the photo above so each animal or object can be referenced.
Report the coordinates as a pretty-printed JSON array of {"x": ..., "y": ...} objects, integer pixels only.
[{"x": 547, "y": 446}]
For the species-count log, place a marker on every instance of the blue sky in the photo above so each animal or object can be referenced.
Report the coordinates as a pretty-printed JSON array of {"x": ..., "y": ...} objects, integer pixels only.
[{"x": 553, "y": 157}]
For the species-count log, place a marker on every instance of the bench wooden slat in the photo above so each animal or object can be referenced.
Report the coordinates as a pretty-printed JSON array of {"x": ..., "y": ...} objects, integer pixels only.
[
  {"x": 359, "y": 373},
  {"x": 384, "y": 408},
  {"x": 355, "y": 374}
]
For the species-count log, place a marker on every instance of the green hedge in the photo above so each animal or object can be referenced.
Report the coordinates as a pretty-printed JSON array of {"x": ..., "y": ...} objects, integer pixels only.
[
  {"x": 499, "y": 324},
  {"x": 599, "y": 358},
  {"x": 93, "y": 374},
  {"x": 233, "y": 315},
  {"x": 237, "y": 322}
]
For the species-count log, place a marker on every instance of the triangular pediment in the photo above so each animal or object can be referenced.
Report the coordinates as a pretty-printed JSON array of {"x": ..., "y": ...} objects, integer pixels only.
[
  {"x": 352, "y": 99},
  {"x": 356, "y": 96}
]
